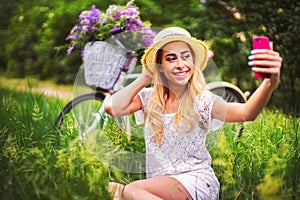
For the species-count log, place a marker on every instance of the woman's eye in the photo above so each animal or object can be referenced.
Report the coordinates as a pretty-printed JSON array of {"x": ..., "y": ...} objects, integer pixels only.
[
  {"x": 186, "y": 56},
  {"x": 170, "y": 59}
]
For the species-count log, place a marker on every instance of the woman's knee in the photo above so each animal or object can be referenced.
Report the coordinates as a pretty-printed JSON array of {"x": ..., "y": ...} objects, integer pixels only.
[{"x": 131, "y": 190}]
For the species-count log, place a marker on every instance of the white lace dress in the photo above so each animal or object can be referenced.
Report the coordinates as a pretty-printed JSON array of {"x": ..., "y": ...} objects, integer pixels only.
[{"x": 184, "y": 155}]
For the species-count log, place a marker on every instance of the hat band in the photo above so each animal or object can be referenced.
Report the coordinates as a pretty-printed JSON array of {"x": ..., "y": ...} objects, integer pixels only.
[{"x": 173, "y": 34}]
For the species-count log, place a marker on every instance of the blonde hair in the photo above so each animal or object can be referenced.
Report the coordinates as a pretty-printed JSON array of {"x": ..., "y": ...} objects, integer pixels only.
[{"x": 186, "y": 116}]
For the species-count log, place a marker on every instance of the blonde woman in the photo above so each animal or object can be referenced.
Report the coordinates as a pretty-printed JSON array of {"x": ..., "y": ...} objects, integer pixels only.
[{"x": 178, "y": 114}]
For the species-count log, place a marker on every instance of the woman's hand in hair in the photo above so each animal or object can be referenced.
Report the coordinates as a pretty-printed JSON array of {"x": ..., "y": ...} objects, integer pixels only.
[{"x": 146, "y": 76}]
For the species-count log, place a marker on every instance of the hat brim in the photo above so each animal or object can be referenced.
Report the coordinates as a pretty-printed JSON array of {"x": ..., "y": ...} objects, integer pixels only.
[{"x": 199, "y": 48}]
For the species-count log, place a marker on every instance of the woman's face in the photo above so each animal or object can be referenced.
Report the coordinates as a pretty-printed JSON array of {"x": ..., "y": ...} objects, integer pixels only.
[{"x": 177, "y": 63}]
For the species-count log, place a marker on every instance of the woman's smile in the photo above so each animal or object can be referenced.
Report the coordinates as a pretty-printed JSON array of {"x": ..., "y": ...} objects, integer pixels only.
[{"x": 181, "y": 74}]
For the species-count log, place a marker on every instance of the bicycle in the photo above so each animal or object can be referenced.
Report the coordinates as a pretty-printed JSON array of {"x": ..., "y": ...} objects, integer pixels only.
[{"x": 90, "y": 113}]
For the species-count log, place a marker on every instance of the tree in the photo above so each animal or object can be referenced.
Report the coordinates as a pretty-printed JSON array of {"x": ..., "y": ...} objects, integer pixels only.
[
  {"x": 229, "y": 26},
  {"x": 279, "y": 20},
  {"x": 34, "y": 36}
]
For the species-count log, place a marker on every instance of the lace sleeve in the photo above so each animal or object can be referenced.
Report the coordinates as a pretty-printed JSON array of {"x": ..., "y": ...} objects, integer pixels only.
[
  {"x": 144, "y": 94},
  {"x": 204, "y": 105}
]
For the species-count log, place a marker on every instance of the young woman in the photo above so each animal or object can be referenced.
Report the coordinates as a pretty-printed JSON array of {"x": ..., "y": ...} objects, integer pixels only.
[{"x": 178, "y": 114}]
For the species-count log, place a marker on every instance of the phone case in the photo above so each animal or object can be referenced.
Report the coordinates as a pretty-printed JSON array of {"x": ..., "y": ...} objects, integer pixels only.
[{"x": 260, "y": 42}]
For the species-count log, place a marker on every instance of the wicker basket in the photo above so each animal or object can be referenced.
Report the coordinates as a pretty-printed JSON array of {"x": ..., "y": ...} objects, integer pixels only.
[{"x": 103, "y": 63}]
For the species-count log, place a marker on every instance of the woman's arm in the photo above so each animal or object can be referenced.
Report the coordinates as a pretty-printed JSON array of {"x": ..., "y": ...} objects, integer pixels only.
[
  {"x": 236, "y": 112},
  {"x": 126, "y": 100}
]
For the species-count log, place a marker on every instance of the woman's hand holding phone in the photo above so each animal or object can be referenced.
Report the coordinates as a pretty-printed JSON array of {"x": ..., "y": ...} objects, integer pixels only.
[
  {"x": 260, "y": 42},
  {"x": 265, "y": 62}
]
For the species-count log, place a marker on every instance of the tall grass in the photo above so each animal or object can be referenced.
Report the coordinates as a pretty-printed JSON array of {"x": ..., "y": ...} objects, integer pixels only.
[
  {"x": 38, "y": 163},
  {"x": 263, "y": 163}
]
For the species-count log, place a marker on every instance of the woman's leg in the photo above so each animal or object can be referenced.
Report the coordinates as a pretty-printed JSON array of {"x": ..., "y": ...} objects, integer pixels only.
[{"x": 166, "y": 188}]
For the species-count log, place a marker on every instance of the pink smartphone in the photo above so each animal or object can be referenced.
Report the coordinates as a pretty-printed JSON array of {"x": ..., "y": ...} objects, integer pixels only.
[{"x": 261, "y": 42}]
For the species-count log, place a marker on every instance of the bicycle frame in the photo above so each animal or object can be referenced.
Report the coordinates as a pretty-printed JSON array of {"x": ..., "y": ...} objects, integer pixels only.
[{"x": 123, "y": 78}]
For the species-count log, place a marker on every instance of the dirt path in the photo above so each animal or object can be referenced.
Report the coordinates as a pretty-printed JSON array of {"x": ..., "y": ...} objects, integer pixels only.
[
  {"x": 48, "y": 91},
  {"x": 47, "y": 88}
]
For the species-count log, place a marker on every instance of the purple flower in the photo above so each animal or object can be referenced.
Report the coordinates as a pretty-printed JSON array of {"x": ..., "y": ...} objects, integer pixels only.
[
  {"x": 117, "y": 16},
  {"x": 148, "y": 35},
  {"x": 85, "y": 28},
  {"x": 113, "y": 11},
  {"x": 70, "y": 49},
  {"x": 115, "y": 28},
  {"x": 94, "y": 28},
  {"x": 69, "y": 37},
  {"x": 94, "y": 15},
  {"x": 129, "y": 4},
  {"x": 94, "y": 25},
  {"x": 83, "y": 14},
  {"x": 77, "y": 35},
  {"x": 132, "y": 11},
  {"x": 78, "y": 28}
]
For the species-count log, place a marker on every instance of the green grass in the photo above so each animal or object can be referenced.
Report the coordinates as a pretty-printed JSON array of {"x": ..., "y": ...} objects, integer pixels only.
[
  {"x": 263, "y": 163},
  {"x": 38, "y": 163}
]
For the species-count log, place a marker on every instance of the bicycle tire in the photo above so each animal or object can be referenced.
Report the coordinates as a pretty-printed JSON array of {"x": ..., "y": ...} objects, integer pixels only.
[
  {"x": 228, "y": 91},
  {"x": 73, "y": 103},
  {"x": 82, "y": 108}
]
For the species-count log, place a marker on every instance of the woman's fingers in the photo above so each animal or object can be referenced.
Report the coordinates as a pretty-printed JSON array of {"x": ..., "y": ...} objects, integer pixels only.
[
  {"x": 267, "y": 61},
  {"x": 266, "y": 70}
]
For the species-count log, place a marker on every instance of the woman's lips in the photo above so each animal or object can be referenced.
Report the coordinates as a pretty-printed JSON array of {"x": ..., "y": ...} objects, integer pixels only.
[{"x": 181, "y": 73}]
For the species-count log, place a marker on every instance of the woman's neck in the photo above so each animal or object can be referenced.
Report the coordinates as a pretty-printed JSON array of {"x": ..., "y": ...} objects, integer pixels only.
[
  {"x": 176, "y": 93},
  {"x": 173, "y": 99}
]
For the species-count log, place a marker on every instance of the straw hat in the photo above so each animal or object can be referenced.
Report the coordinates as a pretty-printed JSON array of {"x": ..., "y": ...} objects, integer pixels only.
[{"x": 167, "y": 35}]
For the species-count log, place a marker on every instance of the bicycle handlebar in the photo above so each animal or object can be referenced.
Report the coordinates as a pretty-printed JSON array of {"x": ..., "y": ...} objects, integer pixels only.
[{"x": 119, "y": 30}]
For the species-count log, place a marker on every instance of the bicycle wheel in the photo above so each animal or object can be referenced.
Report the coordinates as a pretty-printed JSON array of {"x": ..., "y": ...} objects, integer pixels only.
[
  {"x": 85, "y": 114},
  {"x": 73, "y": 103},
  {"x": 107, "y": 138},
  {"x": 228, "y": 91}
]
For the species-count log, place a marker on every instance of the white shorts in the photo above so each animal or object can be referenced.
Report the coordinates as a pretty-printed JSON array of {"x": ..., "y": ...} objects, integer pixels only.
[{"x": 201, "y": 184}]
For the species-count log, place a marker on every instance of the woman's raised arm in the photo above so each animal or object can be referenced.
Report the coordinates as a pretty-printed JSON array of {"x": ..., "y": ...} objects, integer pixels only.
[
  {"x": 235, "y": 112},
  {"x": 126, "y": 100}
]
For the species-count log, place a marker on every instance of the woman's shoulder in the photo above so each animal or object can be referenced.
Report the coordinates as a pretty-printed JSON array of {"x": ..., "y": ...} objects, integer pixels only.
[
  {"x": 145, "y": 92},
  {"x": 205, "y": 98},
  {"x": 205, "y": 94},
  {"x": 204, "y": 105}
]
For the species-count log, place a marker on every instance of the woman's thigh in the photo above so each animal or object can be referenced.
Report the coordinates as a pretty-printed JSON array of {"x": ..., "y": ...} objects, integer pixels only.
[{"x": 162, "y": 187}]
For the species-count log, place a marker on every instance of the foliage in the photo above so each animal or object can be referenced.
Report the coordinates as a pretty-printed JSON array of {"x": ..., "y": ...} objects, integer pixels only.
[
  {"x": 34, "y": 35},
  {"x": 22, "y": 40},
  {"x": 95, "y": 25},
  {"x": 257, "y": 165},
  {"x": 38, "y": 163},
  {"x": 230, "y": 25}
]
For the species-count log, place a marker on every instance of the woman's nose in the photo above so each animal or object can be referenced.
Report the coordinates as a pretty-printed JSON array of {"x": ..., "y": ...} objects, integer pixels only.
[{"x": 180, "y": 62}]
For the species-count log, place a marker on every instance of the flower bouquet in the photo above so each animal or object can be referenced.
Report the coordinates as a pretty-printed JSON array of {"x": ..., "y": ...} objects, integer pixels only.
[
  {"x": 94, "y": 25},
  {"x": 103, "y": 60}
]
